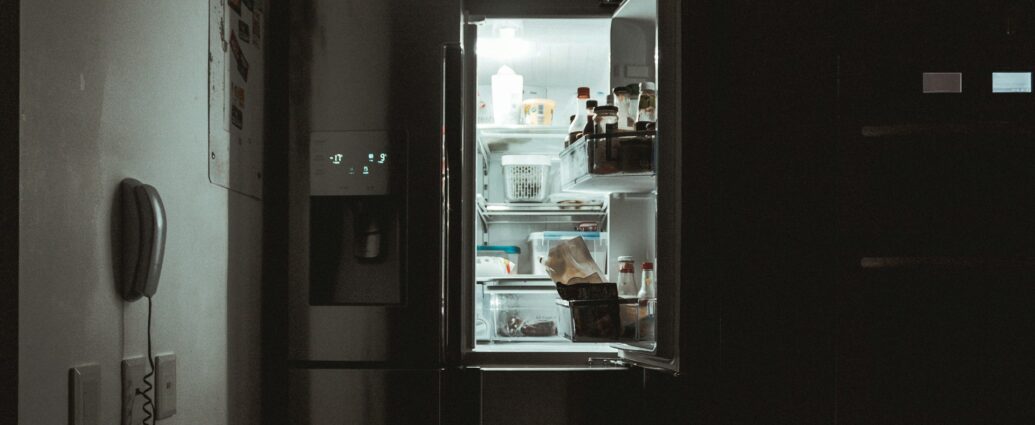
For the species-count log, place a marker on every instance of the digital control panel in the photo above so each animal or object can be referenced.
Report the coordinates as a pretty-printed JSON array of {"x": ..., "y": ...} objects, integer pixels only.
[{"x": 348, "y": 163}]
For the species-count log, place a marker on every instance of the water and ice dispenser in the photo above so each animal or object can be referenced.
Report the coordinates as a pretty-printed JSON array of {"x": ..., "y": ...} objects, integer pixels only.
[{"x": 354, "y": 220}]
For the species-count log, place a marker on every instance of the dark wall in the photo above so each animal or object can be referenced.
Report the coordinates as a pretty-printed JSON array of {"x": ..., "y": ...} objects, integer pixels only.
[{"x": 9, "y": 48}]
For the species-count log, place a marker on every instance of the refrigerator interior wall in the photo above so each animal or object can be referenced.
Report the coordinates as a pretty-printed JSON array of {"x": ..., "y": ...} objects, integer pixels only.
[{"x": 554, "y": 57}]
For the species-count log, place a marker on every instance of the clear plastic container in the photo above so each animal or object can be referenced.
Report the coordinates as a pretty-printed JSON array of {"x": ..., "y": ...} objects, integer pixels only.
[
  {"x": 508, "y": 252},
  {"x": 541, "y": 242},
  {"x": 521, "y": 313},
  {"x": 597, "y": 320}
]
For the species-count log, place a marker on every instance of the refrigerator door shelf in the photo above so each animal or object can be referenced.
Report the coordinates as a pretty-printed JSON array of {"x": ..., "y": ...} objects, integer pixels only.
[{"x": 621, "y": 164}]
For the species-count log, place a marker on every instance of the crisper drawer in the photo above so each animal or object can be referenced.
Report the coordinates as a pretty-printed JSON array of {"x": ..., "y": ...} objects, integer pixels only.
[{"x": 520, "y": 313}]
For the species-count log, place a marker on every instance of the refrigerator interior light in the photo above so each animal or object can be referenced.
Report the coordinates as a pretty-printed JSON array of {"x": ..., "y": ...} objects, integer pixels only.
[{"x": 504, "y": 47}]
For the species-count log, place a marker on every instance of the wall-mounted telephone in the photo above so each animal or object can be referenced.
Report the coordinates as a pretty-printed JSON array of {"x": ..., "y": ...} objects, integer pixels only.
[{"x": 143, "y": 239}]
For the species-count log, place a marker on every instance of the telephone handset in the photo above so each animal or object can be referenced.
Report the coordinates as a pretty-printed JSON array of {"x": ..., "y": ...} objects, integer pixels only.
[{"x": 143, "y": 239}]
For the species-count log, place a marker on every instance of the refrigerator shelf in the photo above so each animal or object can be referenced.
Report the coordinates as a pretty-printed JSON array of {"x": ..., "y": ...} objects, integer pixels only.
[
  {"x": 521, "y": 139},
  {"x": 613, "y": 183},
  {"x": 540, "y": 213}
]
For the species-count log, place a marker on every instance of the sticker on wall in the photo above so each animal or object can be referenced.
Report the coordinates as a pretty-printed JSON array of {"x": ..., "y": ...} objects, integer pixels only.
[
  {"x": 244, "y": 32},
  {"x": 235, "y": 5},
  {"x": 257, "y": 26},
  {"x": 238, "y": 95},
  {"x": 237, "y": 117},
  {"x": 1011, "y": 82},
  {"x": 242, "y": 63}
]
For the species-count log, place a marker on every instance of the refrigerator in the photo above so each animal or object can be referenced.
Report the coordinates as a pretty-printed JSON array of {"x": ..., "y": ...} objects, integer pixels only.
[{"x": 422, "y": 211}]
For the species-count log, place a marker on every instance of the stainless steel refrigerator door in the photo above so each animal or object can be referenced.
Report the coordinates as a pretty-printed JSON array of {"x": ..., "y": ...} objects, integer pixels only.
[
  {"x": 364, "y": 396},
  {"x": 362, "y": 66}
]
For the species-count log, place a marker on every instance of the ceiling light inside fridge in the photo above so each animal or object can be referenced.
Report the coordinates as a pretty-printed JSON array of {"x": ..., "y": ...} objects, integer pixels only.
[{"x": 505, "y": 47}]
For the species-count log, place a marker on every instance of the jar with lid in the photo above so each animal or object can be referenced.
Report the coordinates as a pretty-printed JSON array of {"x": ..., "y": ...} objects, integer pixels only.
[
  {"x": 627, "y": 277},
  {"x": 604, "y": 150},
  {"x": 622, "y": 101},
  {"x": 648, "y": 103},
  {"x": 606, "y": 118}
]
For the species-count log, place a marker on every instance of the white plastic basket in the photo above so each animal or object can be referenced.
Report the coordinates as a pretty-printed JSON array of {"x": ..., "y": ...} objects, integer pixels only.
[{"x": 526, "y": 177}]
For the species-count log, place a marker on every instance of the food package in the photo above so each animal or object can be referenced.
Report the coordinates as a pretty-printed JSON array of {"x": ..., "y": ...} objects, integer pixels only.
[{"x": 569, "y": 263}]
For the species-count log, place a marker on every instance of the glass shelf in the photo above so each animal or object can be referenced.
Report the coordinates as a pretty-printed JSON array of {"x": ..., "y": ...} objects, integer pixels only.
[
  {"x": 521, "y": 139},
  {"x": 541, "y": 213}
]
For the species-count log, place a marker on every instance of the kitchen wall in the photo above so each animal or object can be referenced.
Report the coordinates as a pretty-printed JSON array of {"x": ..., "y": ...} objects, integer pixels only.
[{"x": 115, "y": 89}]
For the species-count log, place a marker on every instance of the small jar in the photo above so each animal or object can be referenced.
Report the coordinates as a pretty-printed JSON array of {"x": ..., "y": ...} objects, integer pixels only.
[
  {"x": 648, "y": 103},
  {"x": 622, "y": 101},
  {"x": 606, "y": 118},
  {"x": 605, "y": 149}
]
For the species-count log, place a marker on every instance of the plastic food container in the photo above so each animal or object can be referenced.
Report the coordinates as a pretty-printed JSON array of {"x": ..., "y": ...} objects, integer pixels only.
[
  {"x": 521, "y": 313},
  {"x": 507, "y": 252},
  {"x": 526, "y": 177},
  {"x": 538, "y": 111},
  {"x": 541, "y": 242}
]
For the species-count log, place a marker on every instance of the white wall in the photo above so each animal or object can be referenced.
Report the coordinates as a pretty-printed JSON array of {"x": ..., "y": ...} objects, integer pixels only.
[{"x": 113, "y": 89}]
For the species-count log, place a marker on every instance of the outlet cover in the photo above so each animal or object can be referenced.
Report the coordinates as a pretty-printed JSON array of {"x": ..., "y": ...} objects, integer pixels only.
[
  {"x": 84, "y": 393},
  {"x": 165, "y": 386},
  {"x": 133, "y": 371}
]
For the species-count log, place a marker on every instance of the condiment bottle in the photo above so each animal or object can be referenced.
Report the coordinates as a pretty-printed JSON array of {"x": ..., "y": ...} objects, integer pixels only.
[
  {"x": 590, "y": 126},
  {"x": 577, "y": 124},
  {"x": 647, "y": 302},
  {"x": 626, "y": 277}
]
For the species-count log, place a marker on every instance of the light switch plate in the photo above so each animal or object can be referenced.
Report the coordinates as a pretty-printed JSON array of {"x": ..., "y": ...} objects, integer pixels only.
[
  {"x": 165, "y": 386},
  {"x": 943, "y": 82},
  {"x": 133, "y": 371},
  {"x": 84, "y": 392}
]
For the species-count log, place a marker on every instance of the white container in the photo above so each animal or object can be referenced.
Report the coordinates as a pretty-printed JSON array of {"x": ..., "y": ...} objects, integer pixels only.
[
  {"x": 526, "y": 177},
  {"x": 506, "y": 96},
  {"x": 541, "y": 242},
  {"x": 507, "y": 252}
]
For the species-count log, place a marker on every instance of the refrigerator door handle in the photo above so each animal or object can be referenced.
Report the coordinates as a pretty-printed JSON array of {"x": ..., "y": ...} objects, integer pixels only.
[{"x": 452, "y": 208}]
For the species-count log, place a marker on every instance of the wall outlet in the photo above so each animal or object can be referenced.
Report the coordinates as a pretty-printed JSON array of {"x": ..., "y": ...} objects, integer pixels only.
[
  {"x": 84, "y": 393},
  {"x": 165, "y": 386},
  {"x": 133, "y": 371}
]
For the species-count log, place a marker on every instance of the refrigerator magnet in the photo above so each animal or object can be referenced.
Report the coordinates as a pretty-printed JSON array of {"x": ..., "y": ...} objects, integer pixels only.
[
  {"x": 242, "y": 62},
  {"x": 236, "y": 117},
  {"x": 238, "y": 95},
  {"x": 257, "y": 26},
  {"x": 244, "y": 31}
]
